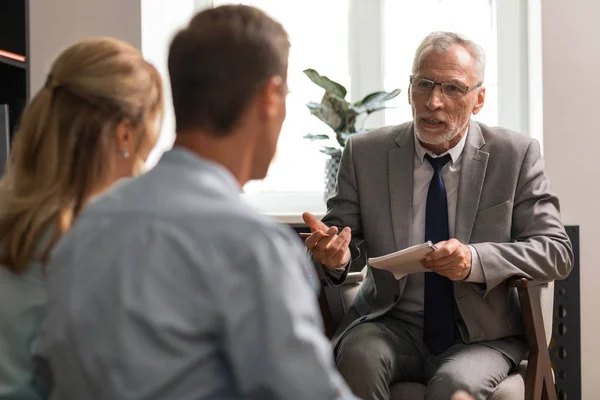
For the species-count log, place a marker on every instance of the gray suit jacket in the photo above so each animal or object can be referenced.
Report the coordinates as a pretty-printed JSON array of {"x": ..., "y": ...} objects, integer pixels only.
[{"x": 504, "y": 209}]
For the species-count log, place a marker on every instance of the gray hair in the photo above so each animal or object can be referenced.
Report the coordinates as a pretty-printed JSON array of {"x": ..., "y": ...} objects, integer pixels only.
[{"x": 441, "y": 42}]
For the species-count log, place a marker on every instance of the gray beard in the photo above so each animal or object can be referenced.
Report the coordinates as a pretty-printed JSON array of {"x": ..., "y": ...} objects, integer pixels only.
[{"x": 435, "y": 139}]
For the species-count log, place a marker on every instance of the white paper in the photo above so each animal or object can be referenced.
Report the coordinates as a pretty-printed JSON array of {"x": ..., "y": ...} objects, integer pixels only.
[{"x": 404, "y": 262}]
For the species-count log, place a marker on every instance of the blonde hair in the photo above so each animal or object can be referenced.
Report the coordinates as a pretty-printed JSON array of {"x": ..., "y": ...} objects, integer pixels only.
[{"x": 64, "y": 150}]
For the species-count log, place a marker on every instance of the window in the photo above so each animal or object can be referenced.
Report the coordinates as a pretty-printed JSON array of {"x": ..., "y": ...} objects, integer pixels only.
[
  {"x": 368, "y": 45},
  {"x": 318, "y": 32},
  {"x": 473, "y": 18},
  {"x": 363, "y": 57}
]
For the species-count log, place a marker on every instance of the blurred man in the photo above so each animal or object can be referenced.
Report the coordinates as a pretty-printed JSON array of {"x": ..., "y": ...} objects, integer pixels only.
[{"x": 170, "y": 287}]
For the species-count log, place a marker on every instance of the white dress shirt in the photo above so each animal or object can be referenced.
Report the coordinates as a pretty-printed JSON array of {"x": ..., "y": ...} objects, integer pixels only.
[{"x": 412, "y": 301}]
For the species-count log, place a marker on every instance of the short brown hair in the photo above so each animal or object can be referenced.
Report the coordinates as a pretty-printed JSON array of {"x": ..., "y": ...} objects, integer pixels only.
[{"x": 218, "y": 63}]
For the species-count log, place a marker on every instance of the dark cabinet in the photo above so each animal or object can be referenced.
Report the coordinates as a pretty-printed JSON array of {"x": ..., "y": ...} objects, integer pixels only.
[{"x": 14, "y": 67}]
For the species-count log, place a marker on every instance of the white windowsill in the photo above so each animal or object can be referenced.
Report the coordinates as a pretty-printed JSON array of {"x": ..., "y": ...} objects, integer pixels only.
[
  {"x": 287, "y": 207},
  {"x": 291, "y": 218}
]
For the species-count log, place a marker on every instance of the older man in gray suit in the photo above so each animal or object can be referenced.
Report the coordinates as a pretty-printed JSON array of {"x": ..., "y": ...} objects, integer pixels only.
[{"x": 481, "y": 194}]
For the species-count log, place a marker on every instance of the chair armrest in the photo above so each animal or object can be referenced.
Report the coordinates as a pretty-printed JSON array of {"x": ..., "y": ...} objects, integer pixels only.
[
  {"x": 334, "y": 300},
  {"x": 518, "y": 282},
  {"x": 539, "y": 380}
]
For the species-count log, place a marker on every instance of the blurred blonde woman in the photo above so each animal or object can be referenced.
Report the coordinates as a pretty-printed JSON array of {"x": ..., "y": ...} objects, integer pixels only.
[{"x": 95, "y": 121}]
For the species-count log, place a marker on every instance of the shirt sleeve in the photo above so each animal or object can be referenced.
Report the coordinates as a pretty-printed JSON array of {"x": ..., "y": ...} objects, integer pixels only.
[
  {"x": 476, "y": 275},
  {"x": 273, "y": 329}
]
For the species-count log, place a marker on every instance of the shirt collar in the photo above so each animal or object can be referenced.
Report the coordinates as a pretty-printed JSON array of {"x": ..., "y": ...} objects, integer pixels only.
[
  {"x": 454, "y": 152},
  {"x": 224, "y": 180}
]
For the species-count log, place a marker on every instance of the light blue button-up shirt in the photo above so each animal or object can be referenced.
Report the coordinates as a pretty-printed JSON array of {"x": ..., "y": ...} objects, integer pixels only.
[
  {"x": 170, "y": 287},
  {"x": 22, "y": 299}
]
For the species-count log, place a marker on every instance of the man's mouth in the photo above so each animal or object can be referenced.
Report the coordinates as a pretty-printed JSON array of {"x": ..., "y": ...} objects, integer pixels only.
[{"x": 432, "y": 121}]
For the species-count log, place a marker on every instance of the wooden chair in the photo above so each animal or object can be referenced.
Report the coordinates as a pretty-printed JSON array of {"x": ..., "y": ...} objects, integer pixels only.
[{"x": 534, "y": 379}]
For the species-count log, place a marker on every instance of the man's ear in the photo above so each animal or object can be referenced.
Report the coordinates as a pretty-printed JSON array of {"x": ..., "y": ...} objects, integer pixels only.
[
  {"x": 273, "y": 94},
  {"x": 409, "y": 96},
  {"x": 480, "y": 101}
]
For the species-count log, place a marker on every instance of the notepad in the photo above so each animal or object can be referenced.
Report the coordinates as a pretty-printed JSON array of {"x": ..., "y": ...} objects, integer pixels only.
[{"x": 404, "y": 262}]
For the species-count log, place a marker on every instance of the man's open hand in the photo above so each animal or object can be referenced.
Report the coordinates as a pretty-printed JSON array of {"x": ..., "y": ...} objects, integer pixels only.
[{"x": 330, "y": 248}]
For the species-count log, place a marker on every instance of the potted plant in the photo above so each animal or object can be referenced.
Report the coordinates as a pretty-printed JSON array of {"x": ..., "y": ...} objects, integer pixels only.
[{"x": 340, "y": 115}]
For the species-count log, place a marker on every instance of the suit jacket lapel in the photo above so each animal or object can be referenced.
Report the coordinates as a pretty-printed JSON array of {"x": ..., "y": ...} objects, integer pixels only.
[
  {"x": 401, "y": 186},
  {"x": 472, "y": 174}
]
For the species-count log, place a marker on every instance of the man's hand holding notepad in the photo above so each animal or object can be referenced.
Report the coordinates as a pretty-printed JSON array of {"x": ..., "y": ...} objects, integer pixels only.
[{"x": 404, "y": 262}]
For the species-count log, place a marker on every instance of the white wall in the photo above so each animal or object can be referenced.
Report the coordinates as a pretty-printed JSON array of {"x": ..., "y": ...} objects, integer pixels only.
[
  {"x": 161, "y": 19},
  {"x": 54, "y": 24},
  {"x": 571, "y": 65},
  {"x": 513, "y": 108}
]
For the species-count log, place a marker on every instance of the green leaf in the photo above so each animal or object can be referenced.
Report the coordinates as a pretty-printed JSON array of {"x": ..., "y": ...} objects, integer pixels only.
[
  {"x": 345, "y": 136},
  {"x": 326, "y": 114},
  {"x": 338, "y": 104},
  {"x": 326, "y": 83},
  {"x": 371, "y": 110},
  {"x": 319, "y": 136},
  {"x": 342, "y": 137},
  {"x": 330, "y": 151},
  {"x": 374, "y": 101},
  {"x": 347, "y": 116},
  {"x": 378, "y": 97}
]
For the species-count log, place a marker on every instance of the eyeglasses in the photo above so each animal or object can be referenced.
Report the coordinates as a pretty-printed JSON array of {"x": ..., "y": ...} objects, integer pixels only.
[{"x": 450, "y": 90}]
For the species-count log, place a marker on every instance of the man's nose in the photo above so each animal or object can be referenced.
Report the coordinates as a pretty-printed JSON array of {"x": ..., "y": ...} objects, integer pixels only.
[{"x": 435, "y": 98}]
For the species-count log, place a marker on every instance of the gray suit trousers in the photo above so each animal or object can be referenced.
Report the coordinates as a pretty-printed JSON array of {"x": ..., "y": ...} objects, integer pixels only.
[{"x": 373, "y": 355}]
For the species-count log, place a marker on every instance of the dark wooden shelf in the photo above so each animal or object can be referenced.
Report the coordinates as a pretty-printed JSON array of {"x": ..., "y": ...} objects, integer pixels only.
[{"x": 13, "y": 63}]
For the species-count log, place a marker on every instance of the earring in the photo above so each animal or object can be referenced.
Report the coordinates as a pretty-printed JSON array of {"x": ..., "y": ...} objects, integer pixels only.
[{"x": 125, "y": 153}]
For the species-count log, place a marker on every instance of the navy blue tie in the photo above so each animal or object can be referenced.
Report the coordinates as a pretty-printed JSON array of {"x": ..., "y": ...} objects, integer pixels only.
[{"x": 438, "y": 325}]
